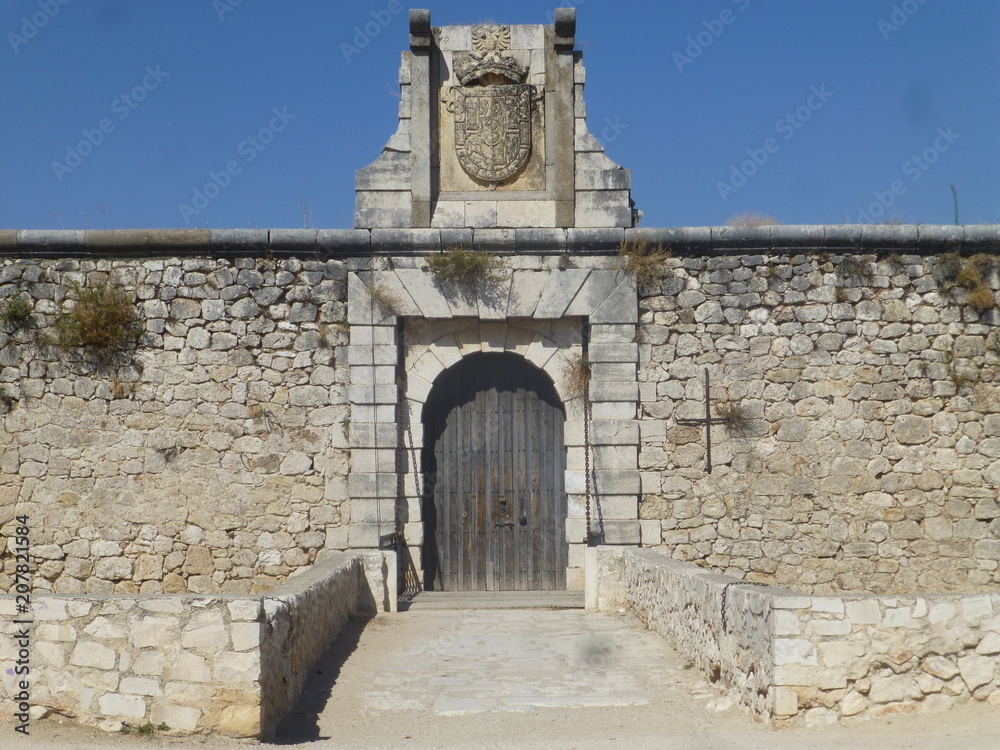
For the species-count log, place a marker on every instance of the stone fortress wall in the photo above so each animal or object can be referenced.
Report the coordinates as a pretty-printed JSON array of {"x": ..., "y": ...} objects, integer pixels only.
[
  {"x": 869, "y": 389},
  {"x": 218, "y": 460},
  {"x": 214, "y": 460}
]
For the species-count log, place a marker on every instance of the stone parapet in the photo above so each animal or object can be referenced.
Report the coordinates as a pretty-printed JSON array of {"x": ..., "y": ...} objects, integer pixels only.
[
  {"x": 812, "y": 660},
  {"x": 231, "y": 665}
]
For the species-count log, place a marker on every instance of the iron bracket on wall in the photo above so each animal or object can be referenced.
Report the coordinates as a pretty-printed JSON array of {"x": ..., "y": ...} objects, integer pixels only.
[{"x": 708, "y": 420}]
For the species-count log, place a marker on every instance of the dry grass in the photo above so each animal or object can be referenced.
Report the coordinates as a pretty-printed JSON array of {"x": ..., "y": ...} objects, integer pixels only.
[
  {"x": 463, "y": 266},
  {"x": 578, "y": 378},
  {"x": 751, "y": 219},
  {"x": 963, "y": 377},
  {"x": 388, "y": 300},
  {"x": 947, "y": 268},
  {"x": 122, "y": 390},
  {"x": 104, "y": 319},
  {"x": 736, "y": 419},
  {"x": 979, "y": 298},
  {"x": 856, "y": 269},
  {"x": 642, "y": 260}
]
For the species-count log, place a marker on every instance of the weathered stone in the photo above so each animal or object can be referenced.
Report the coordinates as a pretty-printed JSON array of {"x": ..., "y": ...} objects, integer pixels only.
[{"x": 977, "y": 670}]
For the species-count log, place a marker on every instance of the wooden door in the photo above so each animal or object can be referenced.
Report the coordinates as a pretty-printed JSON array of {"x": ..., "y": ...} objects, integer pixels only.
[{"x": 494, "y": 506}]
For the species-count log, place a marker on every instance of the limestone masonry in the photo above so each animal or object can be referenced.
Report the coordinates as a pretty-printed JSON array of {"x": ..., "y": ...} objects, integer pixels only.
[{"x": 207, "y": 506}]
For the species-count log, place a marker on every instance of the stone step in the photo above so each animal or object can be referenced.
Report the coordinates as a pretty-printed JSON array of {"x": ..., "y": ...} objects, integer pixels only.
[{"x": 427, "y": 600}]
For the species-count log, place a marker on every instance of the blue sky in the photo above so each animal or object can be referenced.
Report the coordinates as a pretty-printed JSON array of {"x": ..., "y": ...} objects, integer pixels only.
[{"x": 826, "y": 111}]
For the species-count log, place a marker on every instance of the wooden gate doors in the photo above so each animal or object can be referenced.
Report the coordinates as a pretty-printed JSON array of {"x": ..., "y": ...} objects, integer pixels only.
[{"x": 494, "y": 506}]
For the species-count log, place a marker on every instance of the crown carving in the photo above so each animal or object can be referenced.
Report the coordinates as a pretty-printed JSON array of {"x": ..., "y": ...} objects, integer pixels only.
[{"x": 490, "y": 56}]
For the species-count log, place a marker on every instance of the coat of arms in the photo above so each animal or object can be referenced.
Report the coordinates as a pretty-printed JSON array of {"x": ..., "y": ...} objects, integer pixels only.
[{"x": 492, "y": 107}]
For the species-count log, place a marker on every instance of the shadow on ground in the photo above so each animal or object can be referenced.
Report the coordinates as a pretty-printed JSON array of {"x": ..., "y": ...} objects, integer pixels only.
[{"x": 301, "y": 725}]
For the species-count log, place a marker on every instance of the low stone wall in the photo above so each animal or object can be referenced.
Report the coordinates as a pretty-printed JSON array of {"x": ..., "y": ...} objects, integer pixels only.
[
  {"x": 805, "y": 659},
  {"x": 199, "y": 663}
]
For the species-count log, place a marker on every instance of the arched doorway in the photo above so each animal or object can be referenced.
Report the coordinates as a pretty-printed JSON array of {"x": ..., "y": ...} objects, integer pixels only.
[{"x": 494, "y": 506}]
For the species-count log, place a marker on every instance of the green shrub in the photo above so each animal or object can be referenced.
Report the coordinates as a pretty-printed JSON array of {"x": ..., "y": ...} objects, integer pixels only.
[{"x": 16, "y": 312}]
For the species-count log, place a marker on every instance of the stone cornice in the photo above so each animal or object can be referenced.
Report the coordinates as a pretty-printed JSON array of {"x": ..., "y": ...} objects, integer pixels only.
[{"x": 842, "y": 238}]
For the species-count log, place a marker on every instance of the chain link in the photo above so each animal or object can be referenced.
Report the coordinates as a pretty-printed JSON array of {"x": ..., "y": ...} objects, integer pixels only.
[{"x": 586, "y": 457}]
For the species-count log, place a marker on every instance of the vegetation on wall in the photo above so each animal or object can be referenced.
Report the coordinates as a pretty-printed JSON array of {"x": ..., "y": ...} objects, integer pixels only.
[
  {"x": 15, "y": 313},
  {"x": 103, "y": 320},
  {"x": 751, "y": 219},
  {"x": 578, "y": 377},
  {"x": 466, "y": 266},
  {"x": 965, "y": 280},
  {"x": 736, "y": 419},
  {"x": 643, "y": 261}
]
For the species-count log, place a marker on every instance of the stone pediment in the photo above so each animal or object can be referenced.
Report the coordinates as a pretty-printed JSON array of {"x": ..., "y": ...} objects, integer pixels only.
[{"x": 492, "y": 133}]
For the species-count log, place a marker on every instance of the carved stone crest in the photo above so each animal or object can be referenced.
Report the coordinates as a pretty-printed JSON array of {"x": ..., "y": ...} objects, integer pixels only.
[{"x": 492, "y": 107}]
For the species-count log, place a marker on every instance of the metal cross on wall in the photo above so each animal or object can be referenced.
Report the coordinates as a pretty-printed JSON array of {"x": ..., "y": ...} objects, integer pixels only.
[{"x": 708, "y": 421}]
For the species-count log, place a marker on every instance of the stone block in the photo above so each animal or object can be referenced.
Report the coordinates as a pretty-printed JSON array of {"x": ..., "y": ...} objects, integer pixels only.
[
  {"x": 210, "y": 638},
  {"x": 864, "y": 612},
  {"x": 239, "y": 668},
  {"x": 785, "y": 702},
  {"x": 181, "y": 718},
  {"x": 247, "y": 610},
  {"x": 852, "y": 704},
  {"x": 785, "y": 622},
  {"x": 90, "y": 654},
  {"x": 240, "y": 721},
  {"x": 141, "y": 686},
  {"x": 830, "y": 627},
  {"x": 614, "y": 353},
  {"x": 794, "y": 651},
  {"x": 940, "y": 667},
  {"x": 977, "y": 670},
  {"x": 125, "y": 706},
  {"x": 620, "y": 532}
]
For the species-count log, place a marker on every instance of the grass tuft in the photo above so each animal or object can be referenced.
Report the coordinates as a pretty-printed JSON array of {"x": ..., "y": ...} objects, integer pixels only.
[
  {"x": 578, "y": 378},
  {"x": 15, "y": 313},
  {"x": 466, "y": 266},
  {"x": 736, "y": 419},
  {"x": 856, "y": 269},
  {"x": 104, "y": 319},
  {"x": 642, "y": 260},
  {"x": 752, "y": 219}
]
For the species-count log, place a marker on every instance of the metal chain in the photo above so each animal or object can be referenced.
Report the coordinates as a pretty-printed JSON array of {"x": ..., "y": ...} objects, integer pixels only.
[{"x": 586, "y": 457}]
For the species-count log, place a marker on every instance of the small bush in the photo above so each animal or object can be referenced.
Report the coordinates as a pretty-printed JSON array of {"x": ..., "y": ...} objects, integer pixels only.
[
  {"x": 752, "y": 219},
  {"x": 104, "y": 319},
  {"x": 463, "y": 266},
  {"x": 642, "y": 260},
  {"x": 15, "y": 313}
]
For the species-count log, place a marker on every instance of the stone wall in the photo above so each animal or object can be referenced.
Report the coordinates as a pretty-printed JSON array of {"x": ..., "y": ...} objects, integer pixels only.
[
  {"x": 866, "y": 389},
  {"x": 804, "y": 659},
  {"x": 214, "y": 459},
  {"x": 199, "y": 663}
]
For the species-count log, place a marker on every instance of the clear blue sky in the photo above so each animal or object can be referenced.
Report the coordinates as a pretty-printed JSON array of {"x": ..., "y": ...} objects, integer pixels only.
[{"x": 682, "y": 111}]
